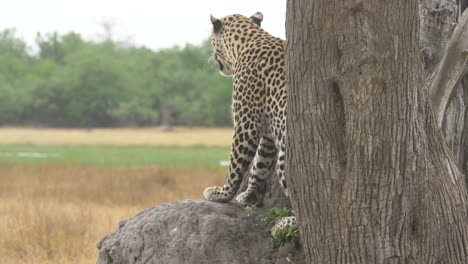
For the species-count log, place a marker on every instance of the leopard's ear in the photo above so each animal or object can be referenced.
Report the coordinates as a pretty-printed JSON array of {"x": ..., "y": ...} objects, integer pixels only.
[
  {"x": 257, "y": 18},
  {"x": 217, "y": 24}
]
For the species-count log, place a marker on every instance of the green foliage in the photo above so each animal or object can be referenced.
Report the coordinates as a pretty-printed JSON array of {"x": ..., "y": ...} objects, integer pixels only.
[
  {"x": 289, "y": 234},
  {"x": 77, "y": 83},
  {"x": 271, "y": 217}
]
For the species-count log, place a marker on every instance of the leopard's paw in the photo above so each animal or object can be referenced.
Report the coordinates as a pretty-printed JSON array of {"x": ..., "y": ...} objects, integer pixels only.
[
  {"x": 242, "y": 198},
  {"x": 248, "y": 198},
  {"x": 217, "y": 194}
]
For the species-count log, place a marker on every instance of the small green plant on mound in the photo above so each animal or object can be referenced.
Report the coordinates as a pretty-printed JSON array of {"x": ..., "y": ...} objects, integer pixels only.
[{"x": 289, "y": 234}]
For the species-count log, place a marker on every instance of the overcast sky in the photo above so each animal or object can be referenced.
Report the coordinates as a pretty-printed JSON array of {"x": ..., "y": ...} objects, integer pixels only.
[{"x": 153, "y": 23}]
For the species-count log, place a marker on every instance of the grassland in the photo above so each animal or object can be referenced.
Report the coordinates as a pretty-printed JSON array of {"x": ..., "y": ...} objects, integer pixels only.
[
  {"x": 54, "y": 209},
  {"x": 200, "y": 157}
]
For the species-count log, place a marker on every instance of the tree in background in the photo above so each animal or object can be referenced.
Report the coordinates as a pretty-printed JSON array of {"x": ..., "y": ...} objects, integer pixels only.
[
  {"x": 372, "y": 179},
  {"x": 72, "y": 82},
  {"x": 16, "y": 70}
]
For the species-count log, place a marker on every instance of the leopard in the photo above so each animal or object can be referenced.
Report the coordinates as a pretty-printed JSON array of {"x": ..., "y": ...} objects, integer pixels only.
[{"x": 255, "y": 61}]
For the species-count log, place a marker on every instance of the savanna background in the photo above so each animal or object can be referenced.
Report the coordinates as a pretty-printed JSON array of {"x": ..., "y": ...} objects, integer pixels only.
[{"x": 106, "y": 108}]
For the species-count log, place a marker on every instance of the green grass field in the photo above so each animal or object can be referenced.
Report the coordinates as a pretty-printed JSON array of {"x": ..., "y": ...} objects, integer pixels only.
[{"x": 202, "y": 157}]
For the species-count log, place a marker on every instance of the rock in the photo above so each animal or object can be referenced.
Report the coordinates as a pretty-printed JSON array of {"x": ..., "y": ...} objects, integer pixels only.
[
  {"x": 191, "y": 231},
  {"x": 197, "y": 231}
]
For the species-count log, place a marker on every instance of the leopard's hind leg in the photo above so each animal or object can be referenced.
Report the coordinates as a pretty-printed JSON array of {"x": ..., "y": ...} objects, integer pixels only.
[{"x": 259, "y": 172}]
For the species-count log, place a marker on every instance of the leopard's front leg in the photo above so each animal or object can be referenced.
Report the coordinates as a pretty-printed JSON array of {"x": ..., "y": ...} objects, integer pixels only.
[{"x": 243, "y": 148}]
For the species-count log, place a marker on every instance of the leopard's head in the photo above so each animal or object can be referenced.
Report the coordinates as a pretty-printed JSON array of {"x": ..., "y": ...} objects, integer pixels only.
[{"x": 228, "y": 37}]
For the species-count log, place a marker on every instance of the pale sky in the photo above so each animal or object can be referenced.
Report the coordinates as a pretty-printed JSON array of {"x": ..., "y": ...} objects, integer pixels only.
[{"x": 153, "y": 23}]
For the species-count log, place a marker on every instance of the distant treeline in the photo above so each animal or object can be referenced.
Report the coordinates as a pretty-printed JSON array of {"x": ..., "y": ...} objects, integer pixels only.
[{"x": 72, "y": 82}]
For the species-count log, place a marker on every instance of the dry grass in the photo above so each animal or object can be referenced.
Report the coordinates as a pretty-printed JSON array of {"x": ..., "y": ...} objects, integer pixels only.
[
  {"x": 57, "y": 213},
  {"x": 180, "y": 136}
]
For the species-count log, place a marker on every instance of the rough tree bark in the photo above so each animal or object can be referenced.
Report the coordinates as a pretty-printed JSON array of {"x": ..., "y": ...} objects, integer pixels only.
[{"x": 372, "y": 179}]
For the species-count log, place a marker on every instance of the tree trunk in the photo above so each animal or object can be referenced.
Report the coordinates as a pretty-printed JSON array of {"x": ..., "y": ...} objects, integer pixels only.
[
  {"x": 438, "y": 20},
  {"x": 371, "y": 177}
]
